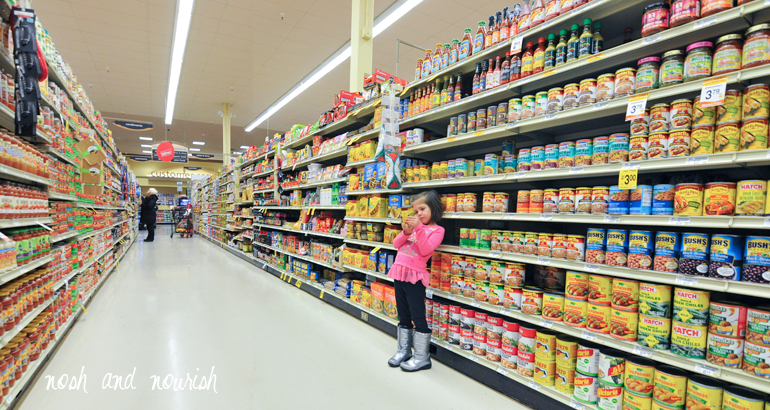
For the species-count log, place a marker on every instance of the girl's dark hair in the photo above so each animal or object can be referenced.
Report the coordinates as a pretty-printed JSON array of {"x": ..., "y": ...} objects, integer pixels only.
[{"x": 433, "y": 201}]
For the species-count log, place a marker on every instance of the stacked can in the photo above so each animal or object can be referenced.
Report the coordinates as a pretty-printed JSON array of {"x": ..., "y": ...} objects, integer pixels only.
[
  {"x": 689, "y": 328},
  {"x": 695, "y": 250},
  {"x": 510, "y": 344},
  {"x": 612, "y": 372},
  {"x": 525, "y": 360},
  {"x": 756, "y": 263},
  {"x": 756, "y": 107},
  {"x": 667, "y": 248},
  {"x": 726, "y": 256},
  {"x": 586, "y": 374},
  {"x": 654, "y": 316},
  {"x": 638, "y": 383},
  {"x": 467, "y": 324},
  {"x": 566, "y": 361},
  {"x": 726, "y": 332},
  {"x": 480, "y": 334},
  {"x": 545, "y": 357},
  {"x": 455, "y": 318}
]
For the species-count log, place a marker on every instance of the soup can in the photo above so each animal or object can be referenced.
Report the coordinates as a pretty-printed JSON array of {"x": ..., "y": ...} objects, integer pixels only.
[
  {"x": 555, "y": 100},
  {"x": 605, "y": 87},
  {"x": 657, "y": 145},
  {"x": 663, "y": 199},
  {"x": 625, "y": 82},
  {"x": 624, "y": 325},
  {"x": 575, "y": 312},
  {"x": 512, "y": 297},
  {"x": 600, "y": 289},
  {"x": 587, "y": 91},
  {"x": 566, "y": 154},
  {"x": 754, "y": 134},
  {"x": 724, "y": 350},
  {"x": 551, "y": 200},
  {"x": 565, "y": 379},
  {"x": 571, "y": 93},
  {"x": 524, "y": 160},
  {"x": 583, "y": 200},
  {"x": 514, "y": 109},
  {"x": 640, "y": 202},
  {"x": 538, "y": 158},
  {"x": 612, "y": 367},
  {"x": 576, "y": 245},
  {"x": 532, "y": 301},
  {"x": 726, "y": 257},
  {"x": 609, "y": 397},
  {"x": 655, "y": 299},
  {"x": 528, "y": 107},
  {"x": 639, "y": 376},
  {"x": 583, "y": 152},
  {"x": 637, "y": 148},
  {"x": 551, "y": 156},
  {"x": 704, "y": 393},
  {"x": 587, "y": 360},
  {"x": 566, "y": 200},
  {"x": 688, "y": 199},
  {"x": 618, "y": 147},
  {"x": 654, "y": 332},
  {"x": 598, "y": 318},
  {"x": 617, "y": 247},
  {"x": 601, "y": 151},
  {"x": 756, "y": 267},
  {"x": 692, "y": 307},
  {"x": 586, "y": 388},
  {"x": 751, "y": 197},
  {"x": 619, "y": 204},
  {"x": 669, "y": 386}
]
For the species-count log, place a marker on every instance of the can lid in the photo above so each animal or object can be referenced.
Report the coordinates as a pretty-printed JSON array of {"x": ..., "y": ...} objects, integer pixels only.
[
  {"x": 729, "y": 37},
  {"x": 757, "y": 28},
  {"x": 699, "y": 44},
  {"x": 672, "y": 53},
  {"x": 648, "y": 59},
  {"x": 656, "y": 5}
]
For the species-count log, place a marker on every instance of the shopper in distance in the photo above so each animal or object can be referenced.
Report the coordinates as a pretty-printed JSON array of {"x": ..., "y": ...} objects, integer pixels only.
[
  {"x": 415, "y": 245},
  {"x": 149, "y": 212}
]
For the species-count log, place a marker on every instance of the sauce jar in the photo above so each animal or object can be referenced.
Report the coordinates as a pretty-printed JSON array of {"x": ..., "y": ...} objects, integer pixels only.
[
  {"x": 727, "y": 56},
  {"x": 697, "y": 64},
  {"x": 647, "y": 74},
  {"x": 709, "y": 7},
  {"x": 672, "y": 68},
  {"x": 756, "y": 49},
  {"x": 655, "y": 19},
  {"x": 684, "y": 11}
]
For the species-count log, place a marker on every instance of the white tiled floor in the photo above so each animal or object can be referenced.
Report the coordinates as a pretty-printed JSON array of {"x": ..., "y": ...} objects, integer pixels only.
[{"x": 179, "y": 306}]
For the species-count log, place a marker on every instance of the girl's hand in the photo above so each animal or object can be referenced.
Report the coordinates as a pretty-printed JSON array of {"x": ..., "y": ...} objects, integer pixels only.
[{"x": 408, "y": 229}]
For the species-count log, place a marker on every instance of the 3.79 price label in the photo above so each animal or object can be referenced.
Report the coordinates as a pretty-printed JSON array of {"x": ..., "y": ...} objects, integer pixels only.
[
  {"x": 713, "y": 92},
  {"x": 636, "y": 106},
  {"x": 628, "y": 178}
]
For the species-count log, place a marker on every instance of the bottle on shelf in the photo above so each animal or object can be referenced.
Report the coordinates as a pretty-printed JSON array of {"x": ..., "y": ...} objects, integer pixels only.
[
  {"x": 466, "y": 46},
  {"x": 435, "y": 94},
  {"x": 573, "y": 43},
  {"x": 442, "y": 96},
  {"x": 447, "y": 96},
  {"x": 538, "y": 62},
  {"x": 552, "y": 9},
  {"x": 490, "y": 32},
  {"x": 445, "y": 56},
  {"x": 476, "y": 79},
  {"x": 538, "y": 14},
  {"x": 483, "y": 76},
  {"x": 598, "y": 41},
  {"x": 427, "y": 63},
  {"x": 561, "y": 49},
  {"x": 458, "y": 93},
  {"x": 586, "y": 40},
  {"x": 478, "y": 40},
  {"x": 497, "y": 73},
  {"x": 515, "y": 67},
  {"x": 436, "y": 65},
  {"x": 505, "y": 26},
  {"x": 524, "y": 21},
  {"x": 505, "y": 69},
  {"x": 498, "y": 24},
  {"x": 454, "y": 52},
  {"x": 550, "y": 52},
  {"x": 526, "y": 61}
]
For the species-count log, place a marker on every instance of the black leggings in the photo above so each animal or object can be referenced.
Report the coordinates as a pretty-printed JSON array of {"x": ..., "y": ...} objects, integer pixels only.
[{"x": 410, "y": 302}]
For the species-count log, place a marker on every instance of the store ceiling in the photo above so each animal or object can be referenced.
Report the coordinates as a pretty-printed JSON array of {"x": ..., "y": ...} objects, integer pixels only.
[{"x": 239, "y": 51}]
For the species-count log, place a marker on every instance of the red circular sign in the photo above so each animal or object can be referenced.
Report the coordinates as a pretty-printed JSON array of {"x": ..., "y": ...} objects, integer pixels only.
[{"x": 165, "y": 151}]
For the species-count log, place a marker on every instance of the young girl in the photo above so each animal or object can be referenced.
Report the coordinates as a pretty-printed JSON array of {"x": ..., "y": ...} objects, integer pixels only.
[{"x": 421, "y": 236}]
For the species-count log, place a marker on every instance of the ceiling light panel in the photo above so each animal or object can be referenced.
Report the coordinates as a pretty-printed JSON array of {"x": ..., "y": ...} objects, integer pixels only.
[{"x": 181, "y": 30}]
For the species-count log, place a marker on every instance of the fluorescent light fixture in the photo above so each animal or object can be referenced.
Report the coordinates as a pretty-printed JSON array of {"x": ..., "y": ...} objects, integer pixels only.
[
  {"x": 198, "y": 143},
  {"x": 147, "y": 152},
  {"x": 145, "y": 138},
  {"x": 146, "y": 146},
  {"x": 195, "y": 149},
  {"x": 387, "y": 18},
  {"x": 236, "y": 153},
  {"x": 244, "y": 147},
  {"x": 181, "y": 29}
]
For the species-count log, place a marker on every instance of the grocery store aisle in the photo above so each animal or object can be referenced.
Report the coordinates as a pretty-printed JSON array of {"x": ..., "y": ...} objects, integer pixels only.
[{"x": 179, "y": 306}]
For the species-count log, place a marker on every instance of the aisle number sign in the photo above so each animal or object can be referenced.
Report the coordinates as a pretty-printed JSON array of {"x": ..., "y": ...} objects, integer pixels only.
[
  {"x": 713, "y": 92},
  {"x": 636, "y": 106},
  {"x": 628, "y": 178}
]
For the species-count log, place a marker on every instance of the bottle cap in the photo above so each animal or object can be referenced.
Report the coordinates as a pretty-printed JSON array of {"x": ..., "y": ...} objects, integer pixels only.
[
  {"x": 541, "y": 40},
  {"x": 586, "y": 22},
  {"x": 529, "y": 44},
  {"x": 597, "y": 25},
  {"x": 563, "y": 32},
  {"x": 454, "y": 40},
  {"x": 574, "y": 27},
  {"x": 551, "y": 36},
  {"x": 468, "y": 31},
  {"x": 482, "y": 23}
]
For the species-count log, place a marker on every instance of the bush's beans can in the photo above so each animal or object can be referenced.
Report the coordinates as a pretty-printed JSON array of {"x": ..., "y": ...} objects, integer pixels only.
[
  {"x": 704, "y": 393},
  {"x": 663, "y": 199},
  {"x": 670, "y": 385},
  {"x": 601, "y": 151},
  {"x": 756, "y": 266},
  {"x": 654, "y": 332},
  {"x": 692, "y": 307},
  {"x": 617, "y": 247},
  {"x": 640, "y": 244},
  {"x": 551, "y": 156},
  {"x": 726, "y": 256},
  {"x": 667, "y": 249},
  {"x": 695, "y": 250},
  {"x": 619, "y": 201}
]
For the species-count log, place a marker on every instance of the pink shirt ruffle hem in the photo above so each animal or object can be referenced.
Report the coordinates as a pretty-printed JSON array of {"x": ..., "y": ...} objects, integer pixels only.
[{"x": 406, "y": 274}]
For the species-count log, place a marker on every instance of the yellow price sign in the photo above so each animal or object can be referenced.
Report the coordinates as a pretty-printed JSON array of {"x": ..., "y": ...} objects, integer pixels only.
[
  {"x": 298, "y": 284},
  {"x": 451, "y": 139},
  {"x": 595, "y": 57},
  {"x": 549, "y": 72},
  {"x": 283, "y": 275},
  {"x": 478, "y": 133},
  {"x": 375, "y": 249},
  {"x": 321, "y": 296},
  {"x": 628, "y": 178}
]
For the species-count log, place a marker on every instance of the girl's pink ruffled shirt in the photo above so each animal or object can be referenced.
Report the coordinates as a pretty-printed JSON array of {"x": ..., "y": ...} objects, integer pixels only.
[{"x": 414, "y": 252}]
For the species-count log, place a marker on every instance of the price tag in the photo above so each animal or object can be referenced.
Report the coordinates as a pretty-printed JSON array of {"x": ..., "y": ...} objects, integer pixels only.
[
  {"x": 576, "y": 170},
  {"x": 478, "y": 133},
  {"x": 767, "y": 220},
  {"x": 651, "y": 39},
  {"x": 451, "y": 297},
  {"x": 552, "y": 115},
  {"x": 631, "y": 165},
  {"x": 495, "y": 254},
  {"x": 484, "y": 178},
  {"x": 636, "y": 106},
  {"x": 455, "y": 215},
  {"x": 475, "y": 303},
  {"x": 592, "y": 268},
  {"x": 464, "y": 251},
  {"x": 588, "y": 336},
  {"x": 429, "y": 293},
  {"x": 628, "y": 178},
  {"x": 686, "y": 280},
  {"x": 713, "y": 92},
  {"x": 601, "y": 105},
  {"x": 543, "y": 261},
  {"x": 447, "y": 346},
  {"x": 641, "y": 351},
  {"x": 474, "y": 358},
  {"x": 705, "y": 22},
  {"x": 425, "y": 183},
  {"x": 519, "y": 174},
  {"x": 298, "y": 284},
  {"x": 505, "y": 311},
  {"x": 502, "y": 370},
  {"x": 516, "y": 44},
  {"x": 701, "y": 159},
  {"x": 576, "y": 405},
  {"x": 595, "y": 57},
  {"x": 546, "y": 323},
  {"x": 512, "y": 125},
  {"x": 534, "y": 386},
  {"x": 546, "y": 217},
  {"x": 707, "y": 370},
  {"x": 513, "y": 216},
  {"x": 679, "y": 220},
  {"x": 611, "y": 219},
  {"x": 321, "y": 296},
  {"x": 549, "y": 73}
]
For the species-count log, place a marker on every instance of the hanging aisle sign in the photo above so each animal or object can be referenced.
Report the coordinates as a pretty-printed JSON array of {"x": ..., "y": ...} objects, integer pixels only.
[
  {"x": 133, "y": 125},
  {"x": 168, "y": 152}
]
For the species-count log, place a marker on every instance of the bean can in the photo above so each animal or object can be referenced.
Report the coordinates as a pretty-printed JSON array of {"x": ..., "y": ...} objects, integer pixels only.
[
  {"x": 566, "y": 154},
  {"x": 576, "y": 247},
  {"x": 587, "y": 91},
  {"x": 532, "y": 301},
  {"x": 583, "y": 152},
  {"x": 601, "y": 151},
  {"x": 605, "y": 87},
  {"x": 600, "y": 199},
  {"x": 619, "y": 147},
  {"x": 619, "y": 201},
  {"x": 625, "y": 82},
  {"x": 571, "y": 92},
  {"x": 640, "y": 201},
  {"x": 679, "y": 143},
  {"x": 555, "y": 100},
  {"x": 663, "y": 199},
  {"x": 658, "y": 145},
  {"x": 667, "y": 249},
  {"x": 617, "y": 247},
  {"x": 637, "y": 148},
  {"x": 726, "y": 257},
  {"x": 695, "y": 250},
  {"x": 756, "y": 266}
]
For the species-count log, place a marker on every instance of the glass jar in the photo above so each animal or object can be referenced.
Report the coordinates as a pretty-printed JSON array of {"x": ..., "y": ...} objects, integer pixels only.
[
  {"x": 697, "y": 63},
  {"x": 647, "y": 74},
  {"x": 655, "y": 19},
  {"x": 709, "y": 7},
  {"x": 727, "y": 56},
  {"x": 684, "y": 11},
  {"x": 756, "y": 48},
  {"x": 672, "y": 68}
]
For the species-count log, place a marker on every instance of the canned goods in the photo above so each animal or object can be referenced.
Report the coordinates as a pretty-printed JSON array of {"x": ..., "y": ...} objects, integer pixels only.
[
  {"x": 545, "y": 371},
  {"x": 617, "y": 247},
  {"x": 452, "y": 129},
  {"x": 514, "y": 274},
  {"x": 544, "y": 243},
  {"x": 669, "y": 386},
  {"x": 553, "y": 306},
  {"x": 609, "y": 397},
  {"x": 587, "y": 91},
  {"x": 472, "y": 121},
  {"x": 679, "y": 143},
  {"x": 605, "y": 87},
  {"x": 632, "y": 400},
  {"x": 688, "y": 199},
  {"x": 695, "y": 249},
  {"x": 536, "y": 201},
  {"x": 600, "y": 199},
  {"x": 756, "y": 101},
  {"x": 478, "y": 167},
  {"x": 524, "y": 160},
  {"x": 702, "y": 140},
  {"x": 575, "y": 312},
  {"x": 571, "y": 93},
  {"x": 502, "y": 113},
  {"x": 724, "y": 350},
  {"x": 667, "y": 249},
  {"x": 741, "y": 398},
  {"x": 559, "y": 248},
  {"x": 691, "y": 306},
  {"x": 528, "y": 107},
  {"x": 551, "y": 156},
  {"x": 754, "y": 133},
  {"x": 756, "y": 266},
  {"x": 598, "y": 318},
  {"x": 750, "y": 197},
  {"x": 490, "y": 164},
  {"x": 640, "y": 126},
  {"x": 612, "y": 367},
  {"x": 492, "y": 116},
  {"x": 654, "y": 332},
  {"x": 566, "y": 154},
  {"x": 660, "y": 111},
  {"x": 532, "y": 301},
  {"x": 583, "y": 200},
  {"x": 583, "y": 152},
  {"x": 601, "y": 149},
  {"x": 625, "y": 294},
  {"x": 719, "y": 198},
  {"x": 566, "y": 200},
  {"x": 639, "y": 376},
  {"x": 655, "y": 300},
  {"x": 541, "y": 103},
  {"x": 501, "y": 202},
  {"x": 545, "y": 345},
  {"x": 758, "y": 325},
  {"x": 680, "y": 109},
  {"x": 726, "y": 256},
  {"x": 658, "y": 145},
  {"x": 577, "y": 285},
  {"x": 703, "y": 393},
  {"x": 637, "y": 148},
  {"x": 530, "y": 243},
  {"x": 624, "y": 325},
  {"x": 756, "y": 359},
  {"x": 512, "y": 297},
  {"x": 566, "y": 351},
  {"x": 514, "y": 110},
  {"x": 640, "y": 202},
  {"x": 663, "y": 199},
  {"x": 586, "y": 388},
  {"x": 731, "y": 109},
  {"x": 618, "y": 147},
  {"x": 587, "y": 360},
  {"x": 599, "y": 289},
  {"x": 481, "y": 119},
  {"x": 726, "y": 138},
  {"x": 550, "y": 200},
  {"x": 488, "y": 202},
  {"x": 576, "y": 245},
  {"x": 555, "y": 100},
  {"x": 565, "y": 379},
  {"x": 538, "y": 158},
  {"x": 625, "y": 82},
  {"x": 688, "y": 340}
]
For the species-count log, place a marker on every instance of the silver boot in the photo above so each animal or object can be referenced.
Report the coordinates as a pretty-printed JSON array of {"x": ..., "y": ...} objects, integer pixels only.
[
  {"x": 421, "y": 358},
  {"x": 404, "y": 347}
]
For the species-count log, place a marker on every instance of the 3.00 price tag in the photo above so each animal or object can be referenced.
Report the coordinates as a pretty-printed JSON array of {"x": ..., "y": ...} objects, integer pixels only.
[
  {"x": 628, "y": 178},
  {"x": 713, "y": 92},
  {"x": 636, "y": 106}
]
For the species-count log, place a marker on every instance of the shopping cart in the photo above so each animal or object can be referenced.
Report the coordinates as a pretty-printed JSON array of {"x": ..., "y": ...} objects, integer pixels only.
[{"x": 183, "y": 225}]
